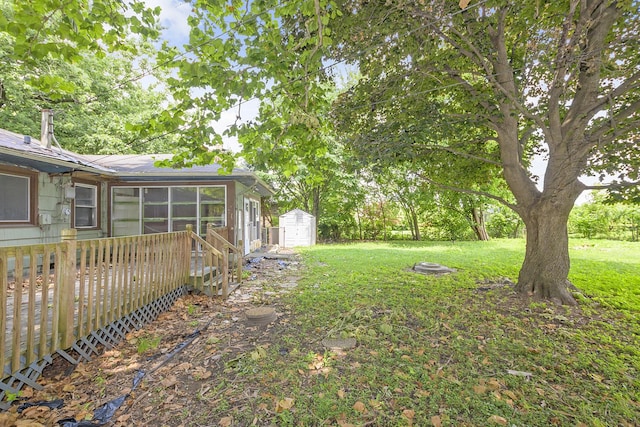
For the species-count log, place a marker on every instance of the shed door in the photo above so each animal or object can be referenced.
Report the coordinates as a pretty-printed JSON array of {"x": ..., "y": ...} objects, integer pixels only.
[{"x": 297, "y": 230}]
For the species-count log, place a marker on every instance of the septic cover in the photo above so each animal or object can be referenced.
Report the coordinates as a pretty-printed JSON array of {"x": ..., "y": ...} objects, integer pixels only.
[
  {"x": 339, "y": 343},
  {"x": 431, "y": 268},
  {"x": 260, "y": 315}
]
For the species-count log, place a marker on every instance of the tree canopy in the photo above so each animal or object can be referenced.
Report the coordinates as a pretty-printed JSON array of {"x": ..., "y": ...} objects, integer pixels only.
[{"x": 85, "y": 62}]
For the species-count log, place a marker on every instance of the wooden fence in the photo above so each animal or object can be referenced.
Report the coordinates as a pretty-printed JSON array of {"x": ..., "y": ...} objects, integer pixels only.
[{"x": 52, "y": 295}]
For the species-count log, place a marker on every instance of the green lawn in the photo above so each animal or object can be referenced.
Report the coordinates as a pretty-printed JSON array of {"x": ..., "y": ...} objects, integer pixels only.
[{"x": 460, "y": 349}]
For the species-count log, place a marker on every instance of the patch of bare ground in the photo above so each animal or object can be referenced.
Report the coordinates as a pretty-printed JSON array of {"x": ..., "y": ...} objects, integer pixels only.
[{"x": 179, "y": 388}]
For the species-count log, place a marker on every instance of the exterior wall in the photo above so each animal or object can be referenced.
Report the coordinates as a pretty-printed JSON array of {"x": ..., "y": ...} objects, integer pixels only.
[
  {"x": 51, "y": 206},
  {"x": 54, "y": 207}
]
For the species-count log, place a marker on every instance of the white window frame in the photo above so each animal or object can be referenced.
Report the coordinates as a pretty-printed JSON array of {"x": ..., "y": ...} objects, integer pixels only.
[{"x": 94, "y": 206}]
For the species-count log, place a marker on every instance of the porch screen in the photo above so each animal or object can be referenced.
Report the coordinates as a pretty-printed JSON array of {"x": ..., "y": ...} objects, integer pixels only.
[
  {"x": 125, "y": 211},
  {"x": 212, "y": 207},
  {"x": 145, "y": 210},
  {"x": 14, "y": 197}
]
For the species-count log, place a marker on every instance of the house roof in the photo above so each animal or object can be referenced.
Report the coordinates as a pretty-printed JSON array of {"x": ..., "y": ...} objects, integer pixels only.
[
  {"x": 23, "y": 150},
  {"x": 141, "y": 167}
]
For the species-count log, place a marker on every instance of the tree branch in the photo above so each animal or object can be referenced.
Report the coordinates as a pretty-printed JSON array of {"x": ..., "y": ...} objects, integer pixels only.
[
  {"x": 468, "y": 191},
  {"x": 598, "y": 133},
  {"x": 628, "y": 85},
  {"x": 461, "y": 154},
  {"x": 613, "y": 185}
]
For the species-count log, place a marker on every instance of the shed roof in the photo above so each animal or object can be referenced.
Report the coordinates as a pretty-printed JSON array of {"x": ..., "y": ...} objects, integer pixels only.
[{"x": 297, "y": 211}]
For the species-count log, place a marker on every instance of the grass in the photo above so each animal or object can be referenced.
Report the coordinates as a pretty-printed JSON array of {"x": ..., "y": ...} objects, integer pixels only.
[{"x": 446, "y": 351}]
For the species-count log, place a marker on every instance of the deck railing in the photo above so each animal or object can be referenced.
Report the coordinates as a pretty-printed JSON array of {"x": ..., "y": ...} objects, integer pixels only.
[
  {"x": 218, "y": 238},
  {"x": 51, "y": 295}
]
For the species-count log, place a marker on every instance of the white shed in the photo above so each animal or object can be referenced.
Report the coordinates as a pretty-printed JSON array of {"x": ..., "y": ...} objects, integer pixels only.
[{"x": 297, "y": 228}]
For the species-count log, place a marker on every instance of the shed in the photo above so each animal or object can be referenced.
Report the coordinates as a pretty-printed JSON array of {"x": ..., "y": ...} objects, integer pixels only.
[{"x": 297, "y": 228}]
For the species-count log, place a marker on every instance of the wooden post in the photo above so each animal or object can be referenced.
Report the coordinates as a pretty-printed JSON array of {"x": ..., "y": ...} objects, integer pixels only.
[
  {"x": 68, "y": 287},
  {"x": 225, "y": 273}
]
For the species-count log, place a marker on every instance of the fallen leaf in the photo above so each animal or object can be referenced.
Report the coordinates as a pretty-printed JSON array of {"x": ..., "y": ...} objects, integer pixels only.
[
  {"x": 493, "y": 384},
  {"x": 284, "y": 404},
  {"x": 359, "y": 406},
  {"x": 225, "y": 421},
  {"x": 375, "y": 404},
  {"x": 510, "y": 394},
  {"x": 436, "y": 421},
  {"x": 123, "y": 418},
  {"x": 479, "y": 389},
  {"x": 169, "y": 381},
  {"x": 341, "y": 393},
  {"x": 463, "y": 4},
  {"x": 496, "y": 419},
  {"x": 27, "y": 423},
  {"x": 409, "y": 414}
]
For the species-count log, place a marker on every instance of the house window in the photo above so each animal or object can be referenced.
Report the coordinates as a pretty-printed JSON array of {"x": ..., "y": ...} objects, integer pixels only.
[
  {"x": 125, "y": 211},
  {"x": 136, "y": 210},
  {"x": 212, "y": 207},
  {"x": 86, "y": 206},
  {"x": 155, "y": 202},
  {"x": 15, "y": 193}
]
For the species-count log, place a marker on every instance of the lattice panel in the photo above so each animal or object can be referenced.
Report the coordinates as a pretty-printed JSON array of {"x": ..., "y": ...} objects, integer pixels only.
[{"x": 106, "y": 337}]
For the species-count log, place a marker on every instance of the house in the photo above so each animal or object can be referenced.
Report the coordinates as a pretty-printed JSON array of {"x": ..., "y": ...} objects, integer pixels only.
[{"x": 45, "y": 189}]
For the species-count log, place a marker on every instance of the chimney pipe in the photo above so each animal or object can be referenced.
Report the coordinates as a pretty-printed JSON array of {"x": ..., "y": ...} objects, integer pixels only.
[{"x": 46, "y": 128}]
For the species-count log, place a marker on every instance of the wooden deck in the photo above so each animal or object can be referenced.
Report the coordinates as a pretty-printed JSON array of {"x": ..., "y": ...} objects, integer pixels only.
[{"x": 90, "y": 284}]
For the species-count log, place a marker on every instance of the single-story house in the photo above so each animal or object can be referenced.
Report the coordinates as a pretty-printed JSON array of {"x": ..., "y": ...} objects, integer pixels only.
[{"x": 45, "y": 189}]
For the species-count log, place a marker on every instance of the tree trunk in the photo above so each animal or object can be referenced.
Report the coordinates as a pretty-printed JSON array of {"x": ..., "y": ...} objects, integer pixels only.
[
  {"x": 477, "y": 218},
  {"x": 416, "y": 225},
  {"x": 546, "y": 263}
]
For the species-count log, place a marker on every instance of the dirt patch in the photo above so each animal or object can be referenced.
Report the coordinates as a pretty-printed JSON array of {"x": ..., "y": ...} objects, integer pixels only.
[{"x": 179, "y": 388}]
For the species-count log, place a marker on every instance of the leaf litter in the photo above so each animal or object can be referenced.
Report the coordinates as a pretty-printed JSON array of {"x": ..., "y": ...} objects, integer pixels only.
[{"x": 177, "y": 391}]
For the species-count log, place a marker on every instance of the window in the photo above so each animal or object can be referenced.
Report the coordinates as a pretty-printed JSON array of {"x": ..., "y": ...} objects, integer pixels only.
[
  {"x": 125, "y": 211},
  {"x": 156, "y": 209},
  {"x": 86, "y": 206},
  {"x": 136, "y": 210},
  {"x": 15, "y": 194}
]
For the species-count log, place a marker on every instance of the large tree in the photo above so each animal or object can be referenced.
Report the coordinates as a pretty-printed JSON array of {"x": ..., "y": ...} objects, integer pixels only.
[{"x": 556, "y": 78}]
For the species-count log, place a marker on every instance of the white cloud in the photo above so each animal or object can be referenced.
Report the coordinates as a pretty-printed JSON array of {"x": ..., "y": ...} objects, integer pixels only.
[{"x": 173, "y": 19}]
